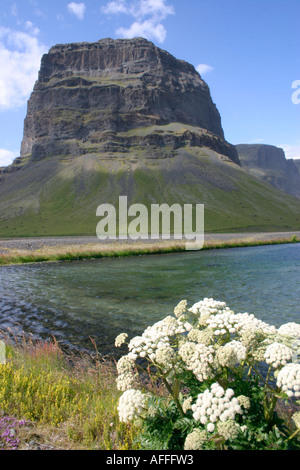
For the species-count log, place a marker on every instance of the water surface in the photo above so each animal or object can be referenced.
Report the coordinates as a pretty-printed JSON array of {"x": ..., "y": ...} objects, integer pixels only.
[{"x": 74, "y": 301}]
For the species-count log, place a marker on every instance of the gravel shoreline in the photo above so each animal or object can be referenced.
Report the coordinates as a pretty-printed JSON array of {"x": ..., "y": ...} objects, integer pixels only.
[{"x": 31, "y": 244}]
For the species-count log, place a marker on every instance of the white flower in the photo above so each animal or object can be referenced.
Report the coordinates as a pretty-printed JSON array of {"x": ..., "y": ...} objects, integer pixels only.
[
  {"x": 131, "y": 405},
  {"x": 198, "y": 358},
  {"x": 222, "y": 323},
  {"x": 227, "y": 322},
  {"x": 290, "y": 329},
  {"x": 207, "y": 307},
  {"x": 244, "y": 402},
  {"x": 187, "y": 404},
  {"x": 195, "y": 440},
  {"x": 216, "y": 405},
  {"x": 165, "y": 356},
  {"x": 250, "y": 322},
  {"x": 278, "y": 355},
  {"x": 210, "y": 427},
  {"x": 126, "y": 373},
  {"x": 231, "y": 354},
  {"x": 251, "y": 337},
  {"x": 201, "y": 336},
  {"x": 288, "y": 379},
  {"x": 120, "y": 339},
  {"x": 228, "y": 429},
  {"x": 296, "y": 419},
  {"x": 156, "y": 336},
  {"x": 180, "y": 308}
]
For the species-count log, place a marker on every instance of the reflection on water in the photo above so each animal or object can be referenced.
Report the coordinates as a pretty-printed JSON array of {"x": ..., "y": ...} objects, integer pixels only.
[{"x": 74, "y": 301}]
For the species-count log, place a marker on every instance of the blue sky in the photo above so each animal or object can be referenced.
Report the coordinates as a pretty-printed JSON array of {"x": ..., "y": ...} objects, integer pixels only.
[{"x": 246, "y": 50}]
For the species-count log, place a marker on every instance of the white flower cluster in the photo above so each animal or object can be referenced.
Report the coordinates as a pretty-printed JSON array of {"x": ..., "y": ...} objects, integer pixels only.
[
  {"x": 288, "y": 379},
  {"x": 296, "y": 419},
  {"x": 223, "y": 323},
  {"x": 126, "y": 373},
  {"x": 131, "y": 405},
  {"x": 165, "y": 356},
  {"x": 231, "y": 354},
  {"x": 180, "y": 308},
  {"x": 195, "y": 440},
  {"x": 278, "y": 355},
  {"x": 198, "y": 358},
  {"x": 290, "y": 329},
  {"x": 120, "y": 339},
  {"x": 244, "y": 402},
  {"x": 216, "y": 405},
  {"x": 228, "y": 429},
  {"x": 246, "y": 321},
  {"x": 155, "y": 337},
  {"x": 251, "y": 338},
  {"x": 207, "y": 307},
  {"x": 236, "y": 323},
  {"x": 187, "y": 404},
  {"x": 205, "y": 336},
  {"x": 203, "y": 339}
]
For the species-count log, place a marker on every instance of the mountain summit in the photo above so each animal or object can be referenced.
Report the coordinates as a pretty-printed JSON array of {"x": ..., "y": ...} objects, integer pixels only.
[{"x": 98, "y": 96}]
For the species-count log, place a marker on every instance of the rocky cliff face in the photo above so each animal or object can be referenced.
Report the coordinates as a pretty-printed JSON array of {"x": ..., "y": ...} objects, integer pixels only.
[
  {"x": 297, "y": 163},
  {"x": 99, "y": 97},
  {"x": 269, "y": 163}
]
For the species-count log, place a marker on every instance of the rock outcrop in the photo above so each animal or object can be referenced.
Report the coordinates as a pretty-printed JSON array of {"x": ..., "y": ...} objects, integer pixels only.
[
  {"x": 269, "y": 163},
  {"x": 297, "y": 163},
  {"x": 98, "y": 97}
]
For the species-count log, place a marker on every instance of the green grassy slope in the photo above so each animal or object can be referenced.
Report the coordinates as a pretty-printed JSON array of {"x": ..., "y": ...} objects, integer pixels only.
[{"x": 59, "y": 196}]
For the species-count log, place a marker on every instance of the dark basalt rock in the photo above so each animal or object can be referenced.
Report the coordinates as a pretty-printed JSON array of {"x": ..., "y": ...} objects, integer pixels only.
[
  {"x": 104, "y": 92},
  {"x": 270, "y": 163}
]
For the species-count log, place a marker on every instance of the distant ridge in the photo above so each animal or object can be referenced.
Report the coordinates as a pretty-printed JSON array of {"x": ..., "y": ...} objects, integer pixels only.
[{"x": 270, "y": 164}]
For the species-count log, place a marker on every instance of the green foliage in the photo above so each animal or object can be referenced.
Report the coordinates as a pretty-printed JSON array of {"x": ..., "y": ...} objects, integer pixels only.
[
  {"x": 213, "y": 381},
  {"x": 60, "y": 195}
]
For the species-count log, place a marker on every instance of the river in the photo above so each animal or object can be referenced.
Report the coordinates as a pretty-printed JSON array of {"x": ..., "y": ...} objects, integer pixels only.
[{"x": 98, "y": 299}]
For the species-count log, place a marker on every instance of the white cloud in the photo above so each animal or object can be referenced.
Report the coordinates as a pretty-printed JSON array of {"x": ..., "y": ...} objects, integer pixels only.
[
  {"x": 291, "y": 151},
  {"x": 116, "y": 7},
  {"x": 146, "y": 29},
  {"x": 29, "y": 26},
  {"x": 6, "y": 157},
  {"x": 14, "y": 9},
  {"x": 20, "y": 57},
  {"x": 204, "y": 68},
  {"x": 148, "y": 16},
  {"x": 77, "y": 9}
]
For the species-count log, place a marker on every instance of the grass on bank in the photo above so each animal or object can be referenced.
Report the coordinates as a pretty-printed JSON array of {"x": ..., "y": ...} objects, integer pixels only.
[
  {"x": 64, "y": 401},
  {"x": 92, "y": 251}
]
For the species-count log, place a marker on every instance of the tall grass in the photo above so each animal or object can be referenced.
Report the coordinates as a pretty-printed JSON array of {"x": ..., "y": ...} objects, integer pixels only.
[
  {"x": 73, "y": 253},
  {"x": 74, "y": 394}
]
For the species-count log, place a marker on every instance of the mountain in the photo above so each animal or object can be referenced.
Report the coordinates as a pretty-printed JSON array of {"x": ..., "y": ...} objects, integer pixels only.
[
  {"x": 125, "y": 118},
  {"x": 98, "y": 97},
  {"x": 269, "y": 163}
]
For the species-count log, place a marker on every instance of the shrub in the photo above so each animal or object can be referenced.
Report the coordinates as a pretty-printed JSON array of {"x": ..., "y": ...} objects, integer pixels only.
[{"x": 209, "y": 378}]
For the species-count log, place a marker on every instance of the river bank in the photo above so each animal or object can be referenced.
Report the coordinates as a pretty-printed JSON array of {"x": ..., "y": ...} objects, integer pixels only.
[{"x": 28, "y": 250}]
